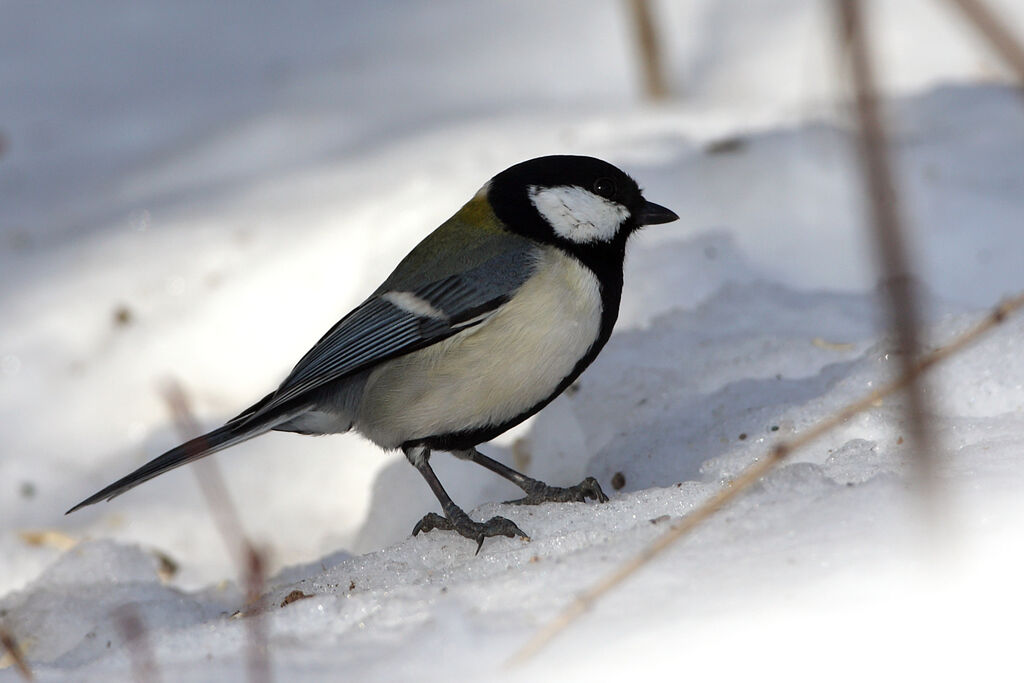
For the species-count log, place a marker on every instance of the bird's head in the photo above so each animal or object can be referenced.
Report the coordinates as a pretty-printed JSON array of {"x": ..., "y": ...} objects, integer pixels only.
[{"x": 575, "y": 202}]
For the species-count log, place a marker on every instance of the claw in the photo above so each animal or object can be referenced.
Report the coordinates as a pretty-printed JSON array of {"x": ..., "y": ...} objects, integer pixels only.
[
  {"x": 466, "y": 527},
  {"x": 431, "y": 521},
  {"x": 594, "y": 490},
  {"x": 540, "y": 492}
]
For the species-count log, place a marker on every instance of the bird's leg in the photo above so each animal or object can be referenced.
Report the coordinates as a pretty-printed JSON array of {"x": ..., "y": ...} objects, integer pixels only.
[
  {"x": 537, "y": 491},
  {"x": 454, "y": 518}
]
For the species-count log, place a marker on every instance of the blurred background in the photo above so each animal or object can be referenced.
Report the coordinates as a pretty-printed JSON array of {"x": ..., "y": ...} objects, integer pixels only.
[{"x": 197, "y": 190}]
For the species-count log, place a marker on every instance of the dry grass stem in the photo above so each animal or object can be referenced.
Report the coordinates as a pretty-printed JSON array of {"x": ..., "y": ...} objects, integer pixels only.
[
  {"x": 1005, "y": 44},
  {"x": 248, "y": 558},
  {"x": 647, "y": 42},
  {"x": 209, "y": 477},
  {"x": 891, "y": 250},
  {"x": 14, "y": 651},
  {"x": 136, "y": 637}
]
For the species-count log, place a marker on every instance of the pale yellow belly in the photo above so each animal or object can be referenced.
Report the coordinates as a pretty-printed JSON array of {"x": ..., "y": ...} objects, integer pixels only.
[{"x": 490, "y": 373}]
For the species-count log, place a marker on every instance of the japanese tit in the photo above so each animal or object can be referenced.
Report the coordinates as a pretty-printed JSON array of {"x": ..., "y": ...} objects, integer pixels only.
[{"x": 481, "y": 325}]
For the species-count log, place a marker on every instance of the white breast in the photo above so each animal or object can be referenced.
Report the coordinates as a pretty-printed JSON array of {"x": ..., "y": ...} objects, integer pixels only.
[{"x": 490, "y": 373}]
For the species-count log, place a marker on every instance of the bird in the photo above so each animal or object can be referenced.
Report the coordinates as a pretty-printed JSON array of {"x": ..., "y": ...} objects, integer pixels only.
[{"x": 488, "y": 319}]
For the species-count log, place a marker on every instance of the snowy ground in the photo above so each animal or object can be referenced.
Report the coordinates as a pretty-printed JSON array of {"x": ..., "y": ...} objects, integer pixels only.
[{"x": 198, "y": 192}]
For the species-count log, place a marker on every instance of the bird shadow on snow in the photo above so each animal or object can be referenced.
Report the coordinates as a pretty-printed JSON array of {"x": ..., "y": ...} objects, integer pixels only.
[{"x": 692, "y": 395}]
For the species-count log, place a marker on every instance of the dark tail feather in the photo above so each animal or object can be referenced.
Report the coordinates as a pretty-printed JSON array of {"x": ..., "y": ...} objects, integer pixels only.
[{"x": 199, "y": 447}]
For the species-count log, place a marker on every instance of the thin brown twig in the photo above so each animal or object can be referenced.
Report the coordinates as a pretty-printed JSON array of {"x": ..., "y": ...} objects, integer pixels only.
[
  {"x": 751, "y": 475},
  {"x": 650, "y": 49},
  {"x": 994, "y": 29},
  {"x": 258, "y": 658},
  {"x": 248, "y": 558},
  {"x": 883, "y": 195},
  {"x": 17, "y": 656},
  {"x": 136, "y": 636},
  {"x": 208, "y": 475}
]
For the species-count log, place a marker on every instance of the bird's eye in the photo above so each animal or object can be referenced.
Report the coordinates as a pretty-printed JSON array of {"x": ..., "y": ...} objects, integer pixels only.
[{"x": 605, "y": 187}]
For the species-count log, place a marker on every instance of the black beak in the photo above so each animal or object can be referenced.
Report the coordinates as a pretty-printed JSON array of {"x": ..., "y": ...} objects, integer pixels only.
[{"x": 653, "y": 214}]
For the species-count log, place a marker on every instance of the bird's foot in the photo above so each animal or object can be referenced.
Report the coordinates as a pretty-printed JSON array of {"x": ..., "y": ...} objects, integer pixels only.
[
  {"x": 538, "y": 492},
  {"x": 459, "y": 522}
]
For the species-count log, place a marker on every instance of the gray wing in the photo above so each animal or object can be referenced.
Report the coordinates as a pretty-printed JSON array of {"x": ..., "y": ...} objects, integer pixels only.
[{"x": 395, "y": 322}]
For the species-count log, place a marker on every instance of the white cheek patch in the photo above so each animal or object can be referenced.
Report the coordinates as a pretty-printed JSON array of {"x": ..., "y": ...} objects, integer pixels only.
[{"x": 578, "y": 215}]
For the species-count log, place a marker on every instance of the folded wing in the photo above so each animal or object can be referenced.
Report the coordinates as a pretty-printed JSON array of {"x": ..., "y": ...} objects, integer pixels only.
[{"x": 394, "y": 322}]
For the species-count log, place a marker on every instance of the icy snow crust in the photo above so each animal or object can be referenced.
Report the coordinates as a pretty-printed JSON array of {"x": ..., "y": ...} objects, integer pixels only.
[{"x": 211, "y": 225}]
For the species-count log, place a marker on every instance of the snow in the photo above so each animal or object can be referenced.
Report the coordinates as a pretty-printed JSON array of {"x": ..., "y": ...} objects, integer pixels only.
[{"x": 198, "y": 191}]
